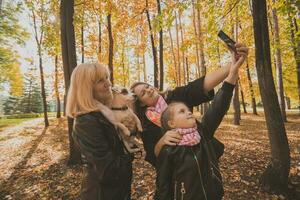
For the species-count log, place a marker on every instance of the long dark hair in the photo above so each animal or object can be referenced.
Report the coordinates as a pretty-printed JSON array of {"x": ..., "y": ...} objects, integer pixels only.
[{"x": 138, "y": 107}]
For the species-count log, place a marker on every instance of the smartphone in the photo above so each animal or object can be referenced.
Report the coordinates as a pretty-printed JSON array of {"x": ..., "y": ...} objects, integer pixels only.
[{"x": 228, "y": 41}]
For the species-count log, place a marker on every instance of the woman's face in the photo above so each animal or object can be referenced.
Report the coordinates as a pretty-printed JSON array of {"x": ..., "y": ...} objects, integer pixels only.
[
  {"x": 146, "y": 94},
  {"x": 102, "y": 90},
  {"x": 182, "y": 117}
]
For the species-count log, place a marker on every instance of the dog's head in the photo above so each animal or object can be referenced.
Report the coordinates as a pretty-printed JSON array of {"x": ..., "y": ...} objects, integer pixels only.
[{"x": 123, "y": 96}]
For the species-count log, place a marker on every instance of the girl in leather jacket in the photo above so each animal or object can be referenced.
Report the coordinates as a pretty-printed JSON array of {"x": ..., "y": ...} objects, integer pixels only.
[{"x": 190, "y": 170}]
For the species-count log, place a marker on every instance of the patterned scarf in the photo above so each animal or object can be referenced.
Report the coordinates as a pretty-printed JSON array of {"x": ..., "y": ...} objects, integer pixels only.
[
  {"x": 153, "y": 113},
  {"x": 190, "y": 136}
]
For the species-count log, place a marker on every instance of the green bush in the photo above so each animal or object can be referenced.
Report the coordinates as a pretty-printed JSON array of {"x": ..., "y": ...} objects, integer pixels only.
[{"x": 24, "y": 115}]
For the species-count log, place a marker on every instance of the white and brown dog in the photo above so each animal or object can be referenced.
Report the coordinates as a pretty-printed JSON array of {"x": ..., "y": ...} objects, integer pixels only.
[{"x": 122, "y": 107}]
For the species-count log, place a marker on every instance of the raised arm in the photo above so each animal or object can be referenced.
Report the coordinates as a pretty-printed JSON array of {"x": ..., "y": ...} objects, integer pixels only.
[
  {"x": 212, "y": 79},
  {"x": 214, "y": 115}
]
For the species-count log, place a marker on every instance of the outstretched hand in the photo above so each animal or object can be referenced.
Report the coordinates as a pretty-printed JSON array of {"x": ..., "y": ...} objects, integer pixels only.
[
  {"x": 238, "y": 59},
  {"x": 240, "y": 55}
]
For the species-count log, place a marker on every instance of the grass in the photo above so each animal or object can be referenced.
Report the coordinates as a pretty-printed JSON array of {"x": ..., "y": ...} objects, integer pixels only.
[{"x": 11, "y": 122}]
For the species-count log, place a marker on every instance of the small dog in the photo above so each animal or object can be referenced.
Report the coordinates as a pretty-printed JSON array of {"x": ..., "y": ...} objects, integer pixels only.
[{"x": 123, "y": 111}]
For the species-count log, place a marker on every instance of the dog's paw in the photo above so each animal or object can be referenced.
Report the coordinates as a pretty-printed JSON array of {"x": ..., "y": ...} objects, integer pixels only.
[{"x": 139, "y": 128}]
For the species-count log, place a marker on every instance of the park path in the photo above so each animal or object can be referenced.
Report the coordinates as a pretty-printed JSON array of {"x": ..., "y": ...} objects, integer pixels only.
[
  {"x": 15, "y": 142},
  {"x": 27, "y": 124}
]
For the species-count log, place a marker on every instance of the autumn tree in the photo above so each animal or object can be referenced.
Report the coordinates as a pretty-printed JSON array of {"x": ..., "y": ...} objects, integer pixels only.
[
  {"x": 69, "y": 63},
  {"x": 11, "y": 34},
  {"x": 52, "y": 47},
  {"x": 154, "y": 50},
  {"x": 278, "y": 62},
  {"x": 111, "y": 42},
  {"x": 38, "y": 15},
  {"x": 275, "y": 177}
]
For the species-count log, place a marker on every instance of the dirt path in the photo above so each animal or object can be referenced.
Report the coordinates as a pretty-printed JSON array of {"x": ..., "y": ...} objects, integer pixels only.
[
  {"x": 33, "y": 165},
  {"x": 15, "y": 129},
  {"x": 14, "y": 141}
]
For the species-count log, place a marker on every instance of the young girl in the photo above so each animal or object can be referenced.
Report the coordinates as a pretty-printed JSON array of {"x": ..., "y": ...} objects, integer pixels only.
[{"x": 190, "y": 170}]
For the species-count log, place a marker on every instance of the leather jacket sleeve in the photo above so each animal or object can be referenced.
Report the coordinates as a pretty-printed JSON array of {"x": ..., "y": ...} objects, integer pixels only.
[
  {"x": 216, "y": 111},
  {"x": 96, "y": 143},
  {"x": 191, "y": 94},
  {"x": 164, "y": 173}
]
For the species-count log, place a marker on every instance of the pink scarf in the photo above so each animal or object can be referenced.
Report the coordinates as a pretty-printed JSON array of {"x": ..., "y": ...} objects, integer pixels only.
[
  {"x": 153, "y": 113},
  {"x": 190, "y": 136}
]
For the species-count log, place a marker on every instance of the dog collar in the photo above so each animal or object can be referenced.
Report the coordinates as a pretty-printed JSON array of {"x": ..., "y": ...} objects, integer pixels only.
[{"x": 120, "y": 108}]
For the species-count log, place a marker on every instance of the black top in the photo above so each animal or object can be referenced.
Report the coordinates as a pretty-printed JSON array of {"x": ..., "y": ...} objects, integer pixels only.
[
  {"x": 191, "y": 94},
  {"x": 109, "y": 168},
  {"x": 192, "y": 172}
]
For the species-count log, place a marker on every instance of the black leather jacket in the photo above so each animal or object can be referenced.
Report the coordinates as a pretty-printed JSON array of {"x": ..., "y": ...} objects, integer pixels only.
[
  {"x": 192, "y": 172},
  {"x": 109, "y": 169}
]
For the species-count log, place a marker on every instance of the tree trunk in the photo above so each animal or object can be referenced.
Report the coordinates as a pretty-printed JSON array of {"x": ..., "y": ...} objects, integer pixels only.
[
  {"x": 296, "y": 47},
  {"x": 201, "y": 44},
  {"x": 154, "y": 52},
  {"x": 99, "y": 42},
  {"x": 0, "y": 6},
  {"x": 29, "y": 97},
  {"x": 251, "y": 90},
  {"x": 145, "y": 69},
  {"x": 278, "y": 64},
  {"x": 178, "y": 54},
  {"x": 187, "y": 70},
  {"x": 242, "y": 96},
  {"x": 236, "y": 106},
  {"x": 82, "y": 44},
  {"x": 56, "y": 88},
  {"x": 201, "y": 51},
  {"x": 111, "y": 49},
  {"x": 174, "y": 58},
  {"x": 43, "y": 89},
  {"x": 236, "y": 101},
  {"x": 64, "y": 107},
  {"x": 275, "y": 177},
  {"x": 183, "y": 51},
  {"x": 69, "y": 63},
  {"x": 161, "y": 50},
  {"x": 123, "y": 63},
  {"x": 138, "y": 58},
  {"x": 196, "y": 43},
  {"x": 39, "y": 40}
]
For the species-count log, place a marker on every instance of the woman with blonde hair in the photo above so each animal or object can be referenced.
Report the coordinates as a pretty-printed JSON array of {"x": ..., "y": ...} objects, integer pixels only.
[{"x": 108, "y": 172}]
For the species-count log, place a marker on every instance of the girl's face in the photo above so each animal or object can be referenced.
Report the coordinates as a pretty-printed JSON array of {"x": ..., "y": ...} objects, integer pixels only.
[
  {"x": 182, "y": 117},
  {"x": 146, "y": 94},
  {"x": 102, "y": 90}
]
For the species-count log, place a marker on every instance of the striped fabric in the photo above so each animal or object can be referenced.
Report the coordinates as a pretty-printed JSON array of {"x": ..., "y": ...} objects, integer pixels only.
[
  {"x": 153, "y": 113},
  {"x": 190, "y": 136}
]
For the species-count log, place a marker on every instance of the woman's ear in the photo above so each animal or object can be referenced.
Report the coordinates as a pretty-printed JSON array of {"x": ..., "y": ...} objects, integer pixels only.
[{"x": 171, "y": 124}]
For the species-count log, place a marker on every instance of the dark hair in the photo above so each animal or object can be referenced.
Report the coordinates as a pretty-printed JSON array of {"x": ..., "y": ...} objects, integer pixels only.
[
  {"x": 166, "y": 116},
  {"x": 138, "y": 107}
]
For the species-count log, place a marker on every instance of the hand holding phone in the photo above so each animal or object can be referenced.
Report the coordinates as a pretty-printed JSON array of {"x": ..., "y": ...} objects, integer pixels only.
[{"x": 228, "y": 41}]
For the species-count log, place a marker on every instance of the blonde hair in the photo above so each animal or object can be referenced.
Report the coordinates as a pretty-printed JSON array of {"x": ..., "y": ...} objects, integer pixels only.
[
  {"x": 80, "y": 97},
  {"x": 81, "y": 100}
]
